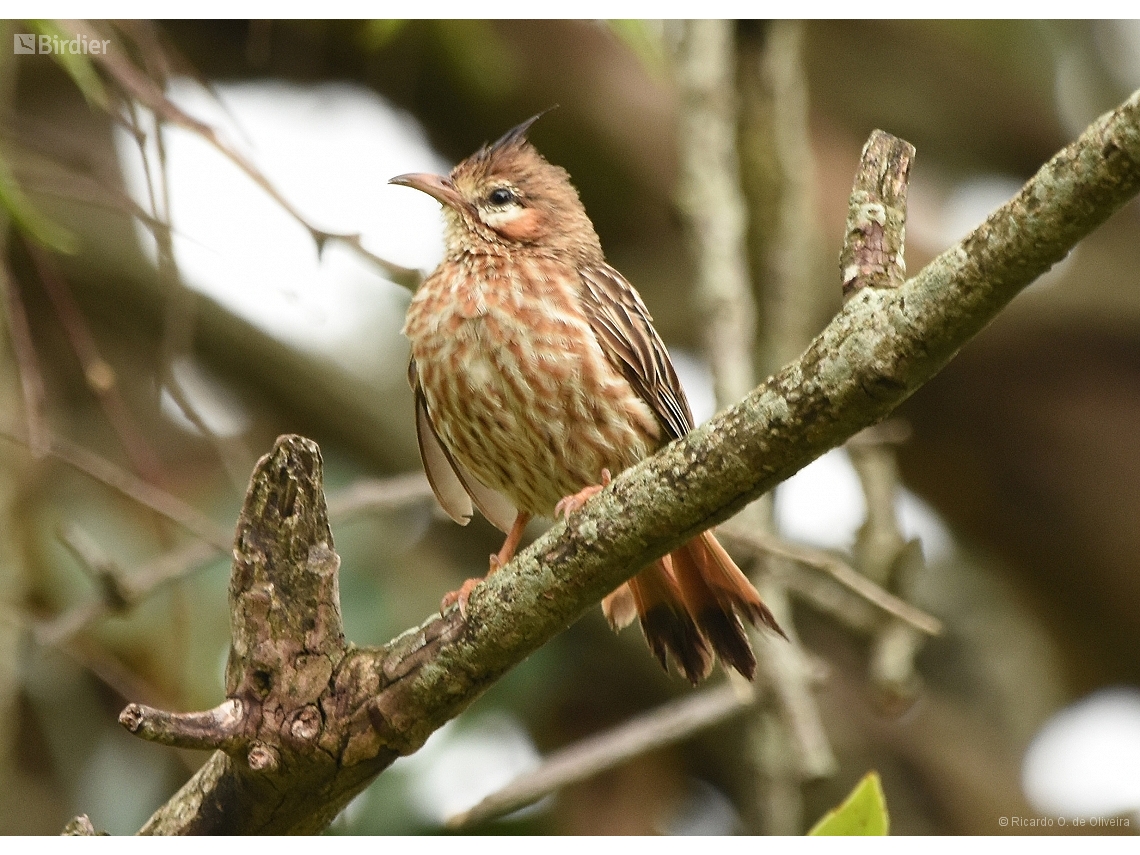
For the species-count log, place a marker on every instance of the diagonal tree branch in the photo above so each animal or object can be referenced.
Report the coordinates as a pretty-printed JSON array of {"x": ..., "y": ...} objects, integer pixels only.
[
  {"x": 322, "y": 719},
  {"x": 668, "y": 723}
]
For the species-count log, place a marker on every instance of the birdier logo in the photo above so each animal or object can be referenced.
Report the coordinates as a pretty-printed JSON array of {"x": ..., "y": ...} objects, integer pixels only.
[{"x": 81, "y": 44}]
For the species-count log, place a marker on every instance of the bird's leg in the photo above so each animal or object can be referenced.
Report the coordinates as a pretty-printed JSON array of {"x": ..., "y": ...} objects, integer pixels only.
[
  {"x": 511, "y": 543},
  {"x": 497, "y": 561},
  {"x": 569, "y": 504}
]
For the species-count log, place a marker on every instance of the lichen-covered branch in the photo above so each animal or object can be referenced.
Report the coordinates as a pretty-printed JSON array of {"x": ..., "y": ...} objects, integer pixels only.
[
  {"x": 876, "y": 218},
  {"x": 297, "y": 769}
]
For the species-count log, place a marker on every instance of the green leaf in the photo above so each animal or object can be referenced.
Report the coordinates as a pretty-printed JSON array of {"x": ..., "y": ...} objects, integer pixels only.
[
  {"x": 77, "y": 65},
  {"x": 27, "y": 219},
  {"x": 864, "y": 812}
]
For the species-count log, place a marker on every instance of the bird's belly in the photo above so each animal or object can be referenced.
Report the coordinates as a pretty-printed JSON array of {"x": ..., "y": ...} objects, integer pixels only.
[{"x": 531, "y": 408}]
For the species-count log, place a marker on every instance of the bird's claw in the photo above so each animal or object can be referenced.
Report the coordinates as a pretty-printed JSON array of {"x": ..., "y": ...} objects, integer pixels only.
[
  {"x": 569, "y": 504},
  {"x": 495, "y": 563},
  {"x": 459, "y": 597}
]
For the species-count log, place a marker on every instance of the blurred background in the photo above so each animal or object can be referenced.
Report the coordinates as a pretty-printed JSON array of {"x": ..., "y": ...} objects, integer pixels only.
[{"x": 167, "y": 314}]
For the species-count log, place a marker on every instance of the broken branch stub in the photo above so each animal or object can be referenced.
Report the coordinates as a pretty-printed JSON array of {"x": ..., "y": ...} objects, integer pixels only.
[
  {"x": 277, "y": 748},
  {"x": 872, "y": 253}
]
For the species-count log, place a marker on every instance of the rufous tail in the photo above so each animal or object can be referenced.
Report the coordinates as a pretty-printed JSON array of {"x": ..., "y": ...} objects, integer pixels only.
[{"x": 690, "y": 604}]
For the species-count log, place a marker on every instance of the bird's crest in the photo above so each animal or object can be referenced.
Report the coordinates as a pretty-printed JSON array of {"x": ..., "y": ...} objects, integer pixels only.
[
  {"x": 515, "y": 138},
  {"x": 517, "y": 134}
]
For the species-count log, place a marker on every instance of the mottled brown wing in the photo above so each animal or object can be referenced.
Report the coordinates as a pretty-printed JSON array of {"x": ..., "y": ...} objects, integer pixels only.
[
  {"x": 455, "y": 488},
  {"x": 625, "y": 330}
]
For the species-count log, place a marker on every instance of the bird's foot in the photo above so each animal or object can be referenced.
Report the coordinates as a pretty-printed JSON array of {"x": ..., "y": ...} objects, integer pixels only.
[
  {"x": 496, "y": 562},
  {"x": 461, "y": 597},
  {"x": 569, "y": 504}
]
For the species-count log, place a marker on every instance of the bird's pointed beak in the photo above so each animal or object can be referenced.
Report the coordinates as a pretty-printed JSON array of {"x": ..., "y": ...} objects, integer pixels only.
[{"x": 436, "y": 186}]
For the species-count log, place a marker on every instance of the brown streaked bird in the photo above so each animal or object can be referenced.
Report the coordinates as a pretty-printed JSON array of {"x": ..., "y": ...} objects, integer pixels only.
[{"x": 537, "y": 372}]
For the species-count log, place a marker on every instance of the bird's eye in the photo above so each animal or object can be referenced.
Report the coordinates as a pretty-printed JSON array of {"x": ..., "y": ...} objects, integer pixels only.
[{"x": 500, "y": 196}]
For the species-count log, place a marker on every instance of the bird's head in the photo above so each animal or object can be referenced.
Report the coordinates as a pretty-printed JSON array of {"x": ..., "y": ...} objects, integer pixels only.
[{"x": 506, "y": 196}]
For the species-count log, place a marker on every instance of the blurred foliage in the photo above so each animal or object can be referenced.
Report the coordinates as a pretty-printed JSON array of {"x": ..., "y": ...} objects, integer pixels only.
[
  {"x": 646, "y": 40},
  {"x": 78, "y": 66},
  {"x": 25, "y": 218},
  {"x": 1025, "y": 444}
]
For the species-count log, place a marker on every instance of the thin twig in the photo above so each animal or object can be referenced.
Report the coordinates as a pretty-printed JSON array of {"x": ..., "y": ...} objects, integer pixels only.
[
  {"x": 118, "y": 479},
  {"x": 179, "y": 311},
  {"x": 665, "y": 725},
  {"x": 839, "y": 570},
  {"x": 60, "y": 181},
  {"x": 378, "y": 495},
  {"x": 365, "y": 496},
  {"x": 100, "y": 376},
  {"x": 31, "y": 381},
  {"x": 165, "y": 569},
  {"x": 146, "y": 92},
  {"x": 95, "y": 562}
]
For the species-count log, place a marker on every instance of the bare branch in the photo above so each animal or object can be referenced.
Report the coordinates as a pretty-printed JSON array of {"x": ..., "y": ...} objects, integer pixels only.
[
  {"x": 372, "y": 495},
  {"x": 31, "y": 381},
  {"x": 839, "y": 570},
  {"x": 158, "y": 500},
  {"x": 364, "y": 496},
  {"x": 97, "y": 371},
  {"x": 665, "y": 725},
  {"x": 221, "y": 728},
  {"x": 140, "y": 87}
]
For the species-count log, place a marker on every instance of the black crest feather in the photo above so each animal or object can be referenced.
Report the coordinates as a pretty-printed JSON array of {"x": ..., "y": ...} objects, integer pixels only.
[{"x": 518, "y": 133}]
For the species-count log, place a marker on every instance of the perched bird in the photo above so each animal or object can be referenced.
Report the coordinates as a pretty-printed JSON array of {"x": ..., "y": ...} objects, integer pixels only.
[{"x": 537, "y": 372}]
